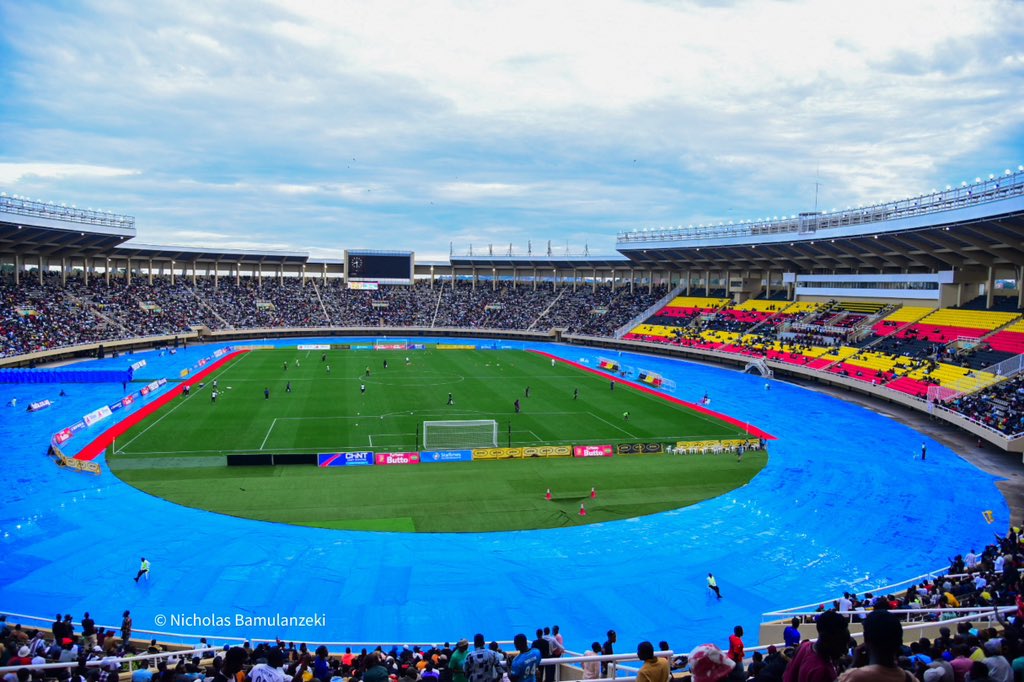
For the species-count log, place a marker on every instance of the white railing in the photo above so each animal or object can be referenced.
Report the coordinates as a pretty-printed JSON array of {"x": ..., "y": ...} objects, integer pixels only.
[
  {"x": 109, "y": 660},
  {"x": 29, "y": 207},
  {"x": 982, "y": 191}
]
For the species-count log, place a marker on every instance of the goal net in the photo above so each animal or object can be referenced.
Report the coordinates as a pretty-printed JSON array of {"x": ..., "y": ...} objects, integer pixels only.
[
  {"x": 460, "y": 435},
  {"x": 391, "y": 344}
]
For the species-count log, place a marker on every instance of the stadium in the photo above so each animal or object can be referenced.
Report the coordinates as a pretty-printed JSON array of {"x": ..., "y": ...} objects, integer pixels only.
[{"x": 731, "y": 423}]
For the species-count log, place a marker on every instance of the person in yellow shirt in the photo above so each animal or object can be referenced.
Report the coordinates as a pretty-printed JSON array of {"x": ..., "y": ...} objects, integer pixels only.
[{"x": 654, "y": 669}]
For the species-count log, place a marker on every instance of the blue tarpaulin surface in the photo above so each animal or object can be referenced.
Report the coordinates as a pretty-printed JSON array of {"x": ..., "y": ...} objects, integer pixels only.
[
  {"x": 18, "y": 375},
  {"x": 843, "y": 504}
]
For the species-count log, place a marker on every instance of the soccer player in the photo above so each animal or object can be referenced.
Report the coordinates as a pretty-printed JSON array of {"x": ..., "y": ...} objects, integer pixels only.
[
  {"x": 323, "y": 358},
  {"x": 215, "y": 383},
  {"x": 362, "y": 388},
  {"x": 367, "y": 370},
  {"x": 213, "y": 396},
  {"x": 451, "y": 400},
  {"x": 611, "y": 385},
  {"x": 552, "y": 362},
  {"x": 328, "y": 369},
  {"x": 625, "y": 416},
  {"x": 286, "y": 365},
  {"x": 266, "y": 393},
  {"x": 143, "y": 569},
  {"x": 527, "y": 391},
  {"x": 516, "y": 404},
  {"x": 288, "y": 388},
  {"x": 296, "y": 362},
  {"x": 575, "y": 393},
  {"x": 385, "y": 364}
]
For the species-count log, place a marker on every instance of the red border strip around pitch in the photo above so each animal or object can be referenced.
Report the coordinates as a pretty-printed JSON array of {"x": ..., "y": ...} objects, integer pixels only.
[
  {"x": 752, "y": 430},
  {"x": 100, "y": 443}
]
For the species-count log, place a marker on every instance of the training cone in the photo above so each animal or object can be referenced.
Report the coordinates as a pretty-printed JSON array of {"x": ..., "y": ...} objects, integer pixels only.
[
  {"x": 583, "y": 510},
  {"x": 593, "y": 493},
  {"x": 547, "y": 495}
]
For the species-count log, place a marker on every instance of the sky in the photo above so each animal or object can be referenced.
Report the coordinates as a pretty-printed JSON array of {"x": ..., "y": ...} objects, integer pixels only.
[{"x": 430, "y": 125}]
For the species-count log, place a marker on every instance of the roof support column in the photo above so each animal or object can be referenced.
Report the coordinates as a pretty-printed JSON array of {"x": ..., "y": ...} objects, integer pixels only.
[
  {"x": 990, "y": 284},
  {"x": 106, "y": 273},
  {"x": 17, "y": 269},
  {"x": 494, "y": 279},
  {"x": 85, "y": 270},
  {"x": 63, "y": 271},
  {"x": 40, "y": 269}
]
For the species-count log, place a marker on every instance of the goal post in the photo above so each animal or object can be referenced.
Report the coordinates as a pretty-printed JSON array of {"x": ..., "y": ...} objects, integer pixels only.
[{"x": 460, "y": 435}]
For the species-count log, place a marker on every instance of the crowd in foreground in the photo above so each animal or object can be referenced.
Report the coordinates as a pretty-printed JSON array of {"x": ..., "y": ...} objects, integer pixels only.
[{"x": 816, "y": 648}]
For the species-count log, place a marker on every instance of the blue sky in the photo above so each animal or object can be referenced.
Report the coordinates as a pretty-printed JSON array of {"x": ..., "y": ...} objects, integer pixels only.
[{"x": 327, "y": 124}]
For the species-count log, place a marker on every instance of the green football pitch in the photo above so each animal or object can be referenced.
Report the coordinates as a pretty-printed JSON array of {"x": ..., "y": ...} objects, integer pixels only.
[{"x": 178, "y": 453}]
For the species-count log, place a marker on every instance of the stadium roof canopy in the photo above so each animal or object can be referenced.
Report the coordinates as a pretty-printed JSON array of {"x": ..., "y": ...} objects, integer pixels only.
[
  {"x": 977, "y": 225},
  {"x": 183, "y": 254},
  {"x": 50, "y": 230},
  {"x": 543, "y": 262}
]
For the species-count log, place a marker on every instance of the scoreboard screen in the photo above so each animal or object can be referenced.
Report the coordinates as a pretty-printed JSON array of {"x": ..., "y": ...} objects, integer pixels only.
[{"x": 390, "y": 267}]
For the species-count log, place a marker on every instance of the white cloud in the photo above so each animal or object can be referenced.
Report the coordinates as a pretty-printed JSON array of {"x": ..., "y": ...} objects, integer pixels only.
[{"x": 12, "y": 173}]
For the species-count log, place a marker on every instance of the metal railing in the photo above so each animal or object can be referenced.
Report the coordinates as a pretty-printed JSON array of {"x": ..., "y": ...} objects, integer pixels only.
[
  {"x": 18, "y": 205},
  {"x": 981, "y": 191}
]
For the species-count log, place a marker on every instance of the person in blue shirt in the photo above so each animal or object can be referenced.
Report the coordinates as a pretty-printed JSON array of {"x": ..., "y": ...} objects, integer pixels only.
[
  {"x": 791, "y": 635},
  {"x": 524, "y": 665}
]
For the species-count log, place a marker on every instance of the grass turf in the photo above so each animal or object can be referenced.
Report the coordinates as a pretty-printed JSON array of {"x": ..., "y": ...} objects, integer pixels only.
[{"x": 326, "y": 412}]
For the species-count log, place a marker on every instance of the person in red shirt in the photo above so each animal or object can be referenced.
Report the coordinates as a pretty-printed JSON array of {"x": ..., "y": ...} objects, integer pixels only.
[
  {"x": 816, "y": 661},
  {"x": 736, "y": 647}
]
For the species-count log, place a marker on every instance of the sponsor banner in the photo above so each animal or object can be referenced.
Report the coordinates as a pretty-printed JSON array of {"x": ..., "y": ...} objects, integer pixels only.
[
  {"x": 154, "y": 385},
  {"x": 344, "y": 459},
  {"x": 161, "y": 381},
  {"x": 439, "y": 456},
  {"x": 253, "y": 347},
  {"x": 361, "y": 346},
  {"x": 731, "y": 444},
  {"x": 76, "y": 464},
  {"x": 639, "y": 448},
  {"x": 62, "y": 436},
  {"x": 390, "y": 346},
  {"x": 128, "y": 399},
  {"x": 219, "y": 352},
  {"x": 417, "y": 346},
  {"x": 341, "y": 346},
  {"x": 386, "y": 458},
  {"x": 365, "y": 286},
  {"x": 202, "y": 362},
  {"x": 114, "y": 407},
  {"x": 455, "y": 346},
  {"x": 592, "y": 451},
  {"x": 497, "y": 453},
  {"x": 77, "y": 426},
  {"x": 40, "y": 405},
  {"x": 548, "y": 451},
  {"x": 314, "y": 346},
  {"x": 138, "y": 365},
  {"x": 144, "y": 391},
  {"x": 96, "y": 415}
]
